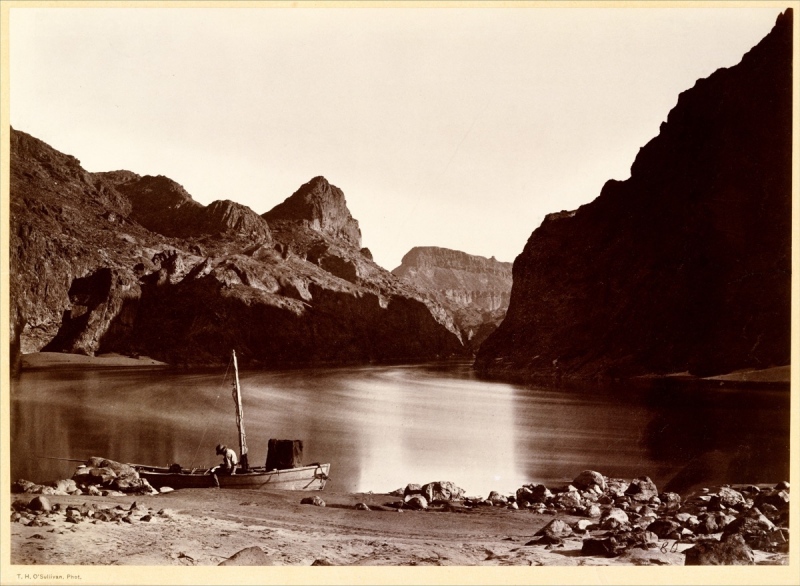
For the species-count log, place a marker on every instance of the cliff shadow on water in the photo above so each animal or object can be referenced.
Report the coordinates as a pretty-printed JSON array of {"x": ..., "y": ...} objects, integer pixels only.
[{"x": 684, "y": 434}]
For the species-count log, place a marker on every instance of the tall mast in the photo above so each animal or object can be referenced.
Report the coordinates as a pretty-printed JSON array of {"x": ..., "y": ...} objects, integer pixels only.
[{"x": 237, "y": 399}]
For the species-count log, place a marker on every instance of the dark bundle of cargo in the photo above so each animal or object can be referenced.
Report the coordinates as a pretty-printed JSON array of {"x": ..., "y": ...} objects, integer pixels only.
[{"x": 284, "y": 454}]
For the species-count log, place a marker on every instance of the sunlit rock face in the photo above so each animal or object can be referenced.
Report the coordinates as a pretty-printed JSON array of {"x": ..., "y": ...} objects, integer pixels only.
[
  {"x": 116, "y": 262},
  {"x": 474, "y": 289},
  {"x": 686, "y": 265}
]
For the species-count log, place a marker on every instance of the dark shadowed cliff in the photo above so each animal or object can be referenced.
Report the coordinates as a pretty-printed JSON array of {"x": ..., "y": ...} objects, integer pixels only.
[
  {"x": 116, "y": 262},
  {"x": 686, "y": 265},
  {"x": 474, "y": 289}
]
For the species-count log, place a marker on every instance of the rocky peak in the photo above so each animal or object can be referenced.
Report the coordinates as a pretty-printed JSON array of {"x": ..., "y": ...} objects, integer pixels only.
[{"x": 322, "y": 207}]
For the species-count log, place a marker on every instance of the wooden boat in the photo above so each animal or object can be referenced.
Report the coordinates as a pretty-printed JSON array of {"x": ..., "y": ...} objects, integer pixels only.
[{"x": 311, "y": 477}]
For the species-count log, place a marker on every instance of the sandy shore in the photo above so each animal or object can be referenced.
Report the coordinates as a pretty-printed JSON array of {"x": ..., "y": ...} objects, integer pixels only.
[{"x": 206, "y": 526}]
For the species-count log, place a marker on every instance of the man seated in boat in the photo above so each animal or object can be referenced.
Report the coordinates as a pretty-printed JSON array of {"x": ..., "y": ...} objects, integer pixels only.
[{"x": 229, "y": 461}]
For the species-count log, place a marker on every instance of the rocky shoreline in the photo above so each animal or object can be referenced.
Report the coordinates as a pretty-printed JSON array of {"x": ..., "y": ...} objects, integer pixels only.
[{"x": 594, "y": 520}]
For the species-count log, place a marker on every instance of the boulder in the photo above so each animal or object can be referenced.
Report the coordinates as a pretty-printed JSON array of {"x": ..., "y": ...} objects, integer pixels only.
[
  {"x": 613, "y": 518},
  {"x": 443, "y": 490},
  {"x": 568, "y": 500},
  {"x": 617, "y": 486},
  {"x": 554, "y": 532},
  {"x": 731, "y": 550},
  {"x": 605, "y": 546},
  {"x": 133, "y": 485},
  {"x": 249, "y": 556},
  {"x": 24, "y": 486},
  {"x": 729, "y": 497},
  {"x": 496, "y": 498},
  {"x": 74, "y": 516},
  {"x": 533, "y": 493},
  {"x": 708, "y": 524},
  {"x": 412, "y": 489},
  {"x": 588, "y": 479},
  {"x": 66, "y": 485},
  {"x": 665, "y": 528},
  {"x": 40, "y": 503},
  {"x": 415, "y": 502},
  {"x": 753, "y": 526},
  {"x": 642, "y": 490}
]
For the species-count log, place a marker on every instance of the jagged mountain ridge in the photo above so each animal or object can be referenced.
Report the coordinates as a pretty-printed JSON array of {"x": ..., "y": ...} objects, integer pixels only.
[
  {"x": 162, "y": 205},
  {"x": 686, "y": 265},
  {"x": 117, "y": 262},
  {"x": 474, "y": 289}
]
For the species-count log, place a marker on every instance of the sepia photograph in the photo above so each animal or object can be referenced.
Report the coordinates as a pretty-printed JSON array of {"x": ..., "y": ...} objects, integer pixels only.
[{"x": 424, "y": 292}]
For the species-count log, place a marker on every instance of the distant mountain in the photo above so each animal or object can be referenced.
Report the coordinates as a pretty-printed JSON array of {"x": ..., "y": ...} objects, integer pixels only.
[
  {"x": 117, "y": 262},
  {"x": 686, "y": 265},
  {"x": 474, "y": 289}
]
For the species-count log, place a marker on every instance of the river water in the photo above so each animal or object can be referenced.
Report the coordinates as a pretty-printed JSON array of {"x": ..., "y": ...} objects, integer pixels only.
[{"x": 382, "y": 427}]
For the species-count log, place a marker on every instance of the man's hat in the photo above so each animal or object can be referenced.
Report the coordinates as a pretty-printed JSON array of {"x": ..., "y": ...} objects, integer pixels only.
[{"x": 220, "y": 448}]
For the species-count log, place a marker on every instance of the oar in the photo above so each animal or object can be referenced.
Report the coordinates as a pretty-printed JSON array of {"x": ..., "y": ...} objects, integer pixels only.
[
  {"x": 86, "y": 459},
  {"x": 63, "y": 459}
]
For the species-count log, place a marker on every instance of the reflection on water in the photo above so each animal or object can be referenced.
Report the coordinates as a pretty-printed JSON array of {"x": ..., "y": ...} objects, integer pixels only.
[{"x": 384, "y": 427}]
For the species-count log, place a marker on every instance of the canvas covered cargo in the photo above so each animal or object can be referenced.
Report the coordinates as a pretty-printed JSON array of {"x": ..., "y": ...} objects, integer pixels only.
[{"x": 284, "y": 454}]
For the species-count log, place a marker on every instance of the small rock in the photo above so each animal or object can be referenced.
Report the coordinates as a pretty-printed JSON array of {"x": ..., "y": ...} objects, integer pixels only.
[
  {"x": 583, "y": 524},
  {"x": 782, "y": 485},
  {"x": 315, "y": 500},
  {"x": 730, "y": 551},
  {"x": 74, "y": 516},
  {"x": 362, "y": 507},
  {"x": 249, "y": 556},
  {"x": 514, "y": 506},
  {"x": 165, "y": 489},
  {"x": 592, "y": 511},
  {"x": 146, "y": 518}
]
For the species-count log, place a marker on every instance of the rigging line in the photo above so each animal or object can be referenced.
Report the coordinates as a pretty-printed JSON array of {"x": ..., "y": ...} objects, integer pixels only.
[{"x": 213, "y": 408}]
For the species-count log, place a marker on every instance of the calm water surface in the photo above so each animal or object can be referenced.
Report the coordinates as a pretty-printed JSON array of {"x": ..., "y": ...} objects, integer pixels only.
[{"x": 382, "y": 427}]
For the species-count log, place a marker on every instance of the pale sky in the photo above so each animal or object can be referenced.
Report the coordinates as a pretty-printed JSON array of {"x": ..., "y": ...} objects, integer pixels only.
[{"x": 452, "y": 127}]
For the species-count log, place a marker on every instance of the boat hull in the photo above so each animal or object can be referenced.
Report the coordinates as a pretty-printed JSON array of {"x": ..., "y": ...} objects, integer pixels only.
[{"x": 312, "y": 477}]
